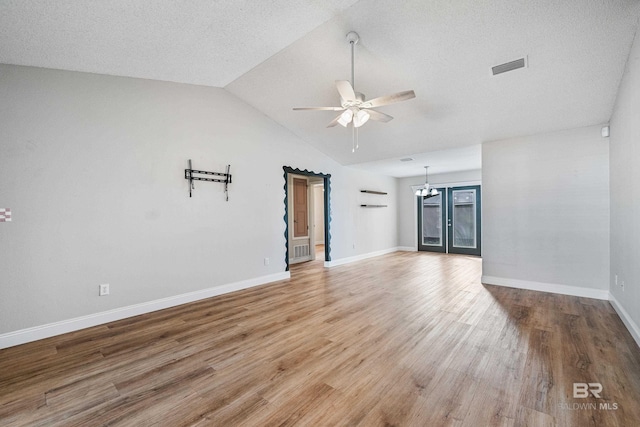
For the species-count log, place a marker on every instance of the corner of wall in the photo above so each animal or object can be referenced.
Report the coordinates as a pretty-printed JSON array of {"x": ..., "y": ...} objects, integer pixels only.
[{"x": 633, "y": 328}]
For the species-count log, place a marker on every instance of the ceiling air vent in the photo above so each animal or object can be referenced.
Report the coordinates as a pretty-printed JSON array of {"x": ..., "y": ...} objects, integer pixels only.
[{"x": 509, "y": 66}]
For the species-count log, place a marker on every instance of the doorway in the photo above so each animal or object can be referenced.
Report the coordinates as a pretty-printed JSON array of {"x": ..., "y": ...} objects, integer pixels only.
[
  {"x": 451, "y": 221},
  {"x": 297, "y": 182}
]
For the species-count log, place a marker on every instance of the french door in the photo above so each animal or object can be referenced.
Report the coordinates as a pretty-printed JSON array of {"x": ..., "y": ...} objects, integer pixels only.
[
  {"x": 432, "y": 216},
  {"x": 450, "y": 222}
]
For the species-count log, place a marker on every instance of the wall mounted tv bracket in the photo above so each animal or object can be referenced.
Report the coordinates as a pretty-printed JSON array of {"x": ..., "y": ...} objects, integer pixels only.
[{"x": 189, "y": 175}]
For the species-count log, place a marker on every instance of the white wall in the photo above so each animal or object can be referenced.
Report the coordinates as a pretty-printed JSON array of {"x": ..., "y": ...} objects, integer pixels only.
[
  {"x": 368, "y": 227},
  {"x": 407, "y": 216},
  {"x": 625, "y": 193},
  {"x": 545, "y": 212},
  {"x": 92, "y": 167}
]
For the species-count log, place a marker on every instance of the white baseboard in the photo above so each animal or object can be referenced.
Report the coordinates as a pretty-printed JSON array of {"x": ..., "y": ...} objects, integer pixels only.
[
  {"x": 35, "y": 333},
  {"x": 626, "y": 319},
  {"x": 351, "y": 259},
  {"x": 407, "y": 249},
  {"x": 547, "y": 287}
]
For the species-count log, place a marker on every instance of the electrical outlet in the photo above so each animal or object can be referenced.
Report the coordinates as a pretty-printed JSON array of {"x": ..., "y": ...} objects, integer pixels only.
[
  {"x": 266, "y": 261},
  {"x": 103, "y": 289},
  {"x": 616, "y": 279}
]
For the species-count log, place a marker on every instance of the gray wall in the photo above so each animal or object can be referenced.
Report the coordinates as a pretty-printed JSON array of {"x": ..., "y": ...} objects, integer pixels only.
[
  {"x": 407, "y": 217},
  {"x": 625, "y": 190},
  {"x": 92, "y": 167},
  {"x": 546, "y": 209}
]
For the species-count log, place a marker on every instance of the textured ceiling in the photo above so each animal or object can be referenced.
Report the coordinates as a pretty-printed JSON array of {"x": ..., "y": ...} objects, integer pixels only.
[
  {"x": 194, "y": 41},
  {"x": 280, "y": 54},
  {"x": 442, "y": 161}
]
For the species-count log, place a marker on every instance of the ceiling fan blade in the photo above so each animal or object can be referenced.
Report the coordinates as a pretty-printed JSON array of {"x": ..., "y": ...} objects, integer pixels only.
[
  {"x": 378, "y": 116},
  {"x": 389, "y": 99},
  {"x": 345, "y": 90},
  {"x": 320, "y": 108},
  {"x": 334, "y": 122}
]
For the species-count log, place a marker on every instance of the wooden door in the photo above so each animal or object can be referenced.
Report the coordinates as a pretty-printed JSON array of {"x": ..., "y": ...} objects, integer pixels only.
[{"x": 300, "y": 208}]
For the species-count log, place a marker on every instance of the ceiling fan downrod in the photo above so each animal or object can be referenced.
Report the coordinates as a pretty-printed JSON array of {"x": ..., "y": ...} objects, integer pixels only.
[{"x": 353, "y": 38}]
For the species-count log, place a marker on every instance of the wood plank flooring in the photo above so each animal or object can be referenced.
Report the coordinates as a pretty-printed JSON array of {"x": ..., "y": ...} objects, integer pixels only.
[{"x": 406, "y": 339}]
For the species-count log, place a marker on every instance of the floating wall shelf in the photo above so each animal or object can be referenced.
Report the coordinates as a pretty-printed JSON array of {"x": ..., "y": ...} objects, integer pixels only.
[
  {"x": 372, "y": 192},
  {"x": 381, "y": 193}
]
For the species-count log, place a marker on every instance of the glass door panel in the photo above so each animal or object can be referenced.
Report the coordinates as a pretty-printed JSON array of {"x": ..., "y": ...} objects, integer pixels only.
[
  {"x": 464, "y": 220},
  {"x": 431, "y": 220}
]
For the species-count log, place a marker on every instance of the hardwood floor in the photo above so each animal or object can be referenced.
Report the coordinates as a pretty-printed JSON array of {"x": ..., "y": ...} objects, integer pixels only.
[{"x": 407, "y": 339}]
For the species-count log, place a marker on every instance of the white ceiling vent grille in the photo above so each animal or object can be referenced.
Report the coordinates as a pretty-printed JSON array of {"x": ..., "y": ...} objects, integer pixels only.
[{"x": 509, "y": 66}]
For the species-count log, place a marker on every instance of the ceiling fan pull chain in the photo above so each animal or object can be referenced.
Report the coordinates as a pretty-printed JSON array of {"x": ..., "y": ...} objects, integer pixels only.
[
  {"x": 353, "y": 138},
  {"x": 357, "y": 139}
]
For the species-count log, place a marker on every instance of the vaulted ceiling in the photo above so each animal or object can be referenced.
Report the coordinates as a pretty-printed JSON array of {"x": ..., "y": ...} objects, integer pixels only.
[{"x": 281, "y": 54}]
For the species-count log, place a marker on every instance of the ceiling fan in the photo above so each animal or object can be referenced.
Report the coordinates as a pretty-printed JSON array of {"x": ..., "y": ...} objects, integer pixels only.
[{"x": 355, "y": 109}]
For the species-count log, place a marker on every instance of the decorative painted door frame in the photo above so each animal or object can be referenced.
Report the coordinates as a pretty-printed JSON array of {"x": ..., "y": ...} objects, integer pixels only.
[{"x": 327, "y": 209}]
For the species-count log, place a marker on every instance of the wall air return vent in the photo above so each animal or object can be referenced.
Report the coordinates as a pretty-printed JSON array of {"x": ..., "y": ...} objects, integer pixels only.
[{"x": 509, "y": 66}]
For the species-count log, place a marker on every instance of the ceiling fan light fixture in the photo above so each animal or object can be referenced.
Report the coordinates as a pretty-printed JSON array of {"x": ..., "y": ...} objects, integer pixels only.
[
  {"x": 360, "y": 118},
  {"x": 345, "y": 117}
]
